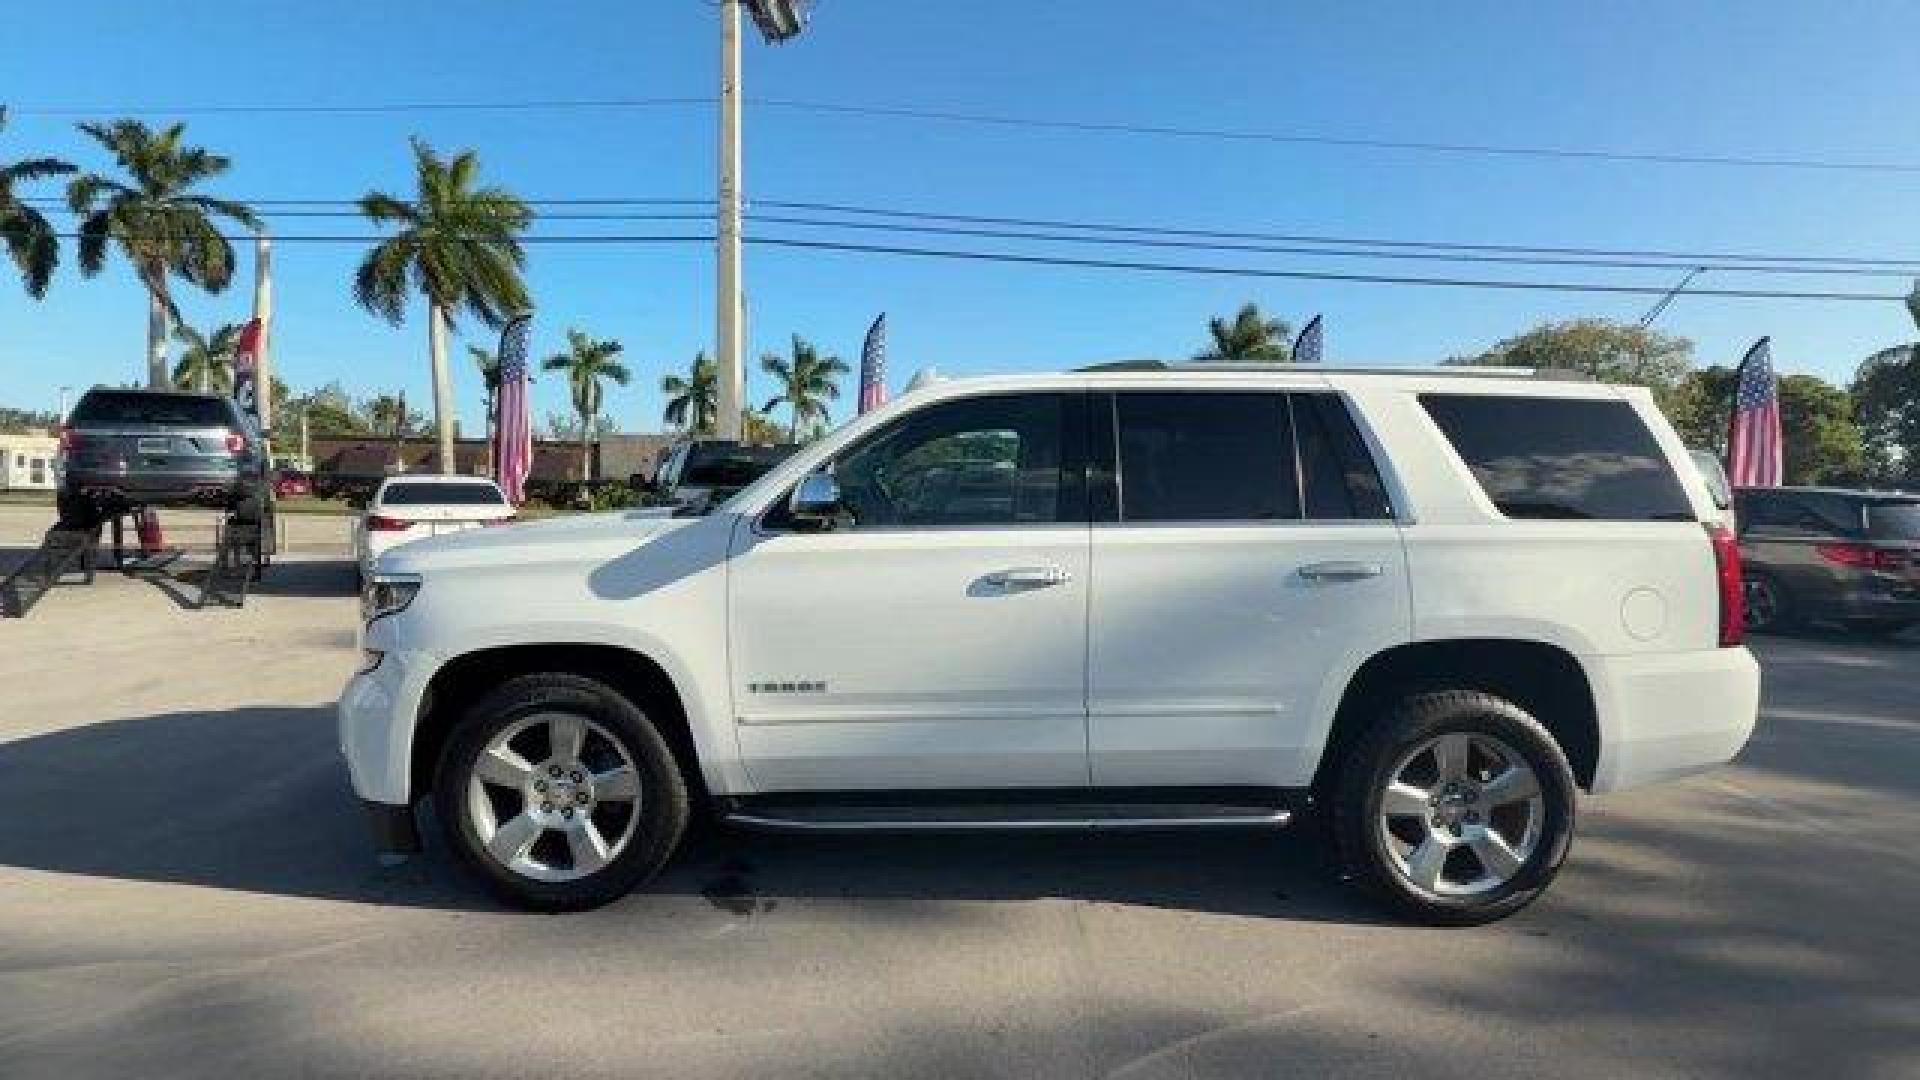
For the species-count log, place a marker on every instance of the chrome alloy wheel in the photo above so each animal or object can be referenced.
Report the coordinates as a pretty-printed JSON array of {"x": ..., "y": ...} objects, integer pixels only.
[
  {"x": 1461, "y": 814},
  {"x": 554, "y": 797}
]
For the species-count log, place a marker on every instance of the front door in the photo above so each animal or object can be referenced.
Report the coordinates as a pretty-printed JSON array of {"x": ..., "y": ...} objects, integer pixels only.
[
  {"x": 1246, "y": 559},
  {"x": 936, "y": 638}
]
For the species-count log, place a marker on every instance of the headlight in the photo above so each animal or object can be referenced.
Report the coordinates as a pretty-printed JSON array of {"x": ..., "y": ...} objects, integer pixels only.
[{"x": 388, "y": 594}]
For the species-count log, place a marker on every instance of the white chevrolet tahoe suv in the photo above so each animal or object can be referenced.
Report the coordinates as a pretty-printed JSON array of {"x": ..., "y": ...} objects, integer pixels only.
[{"x": 1431, "y": 605}]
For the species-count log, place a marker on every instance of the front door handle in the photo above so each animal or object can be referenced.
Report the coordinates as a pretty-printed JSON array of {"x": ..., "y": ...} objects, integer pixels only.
[
  {"x": 1341, "y": 570},
  {"x": 1029, "y": 577}
]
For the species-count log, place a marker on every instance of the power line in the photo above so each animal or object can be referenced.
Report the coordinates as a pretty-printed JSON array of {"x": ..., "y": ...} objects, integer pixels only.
[
  {"x": 998, "y": 120},
  {"x": 1312, "y": 275},
  {"x": 1191, "y": 239},
  {"x": 1156, "y": 267}
]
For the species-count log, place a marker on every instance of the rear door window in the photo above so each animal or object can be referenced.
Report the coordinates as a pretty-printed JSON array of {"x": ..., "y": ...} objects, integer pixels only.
[
  {"x": 1560, "y": 458},
  {"x": 107, "y": 409},
  {"x": 442, "y": 495},
  {"x": 1205, "y": 456},
  {"x": 1337, "y": 474}
]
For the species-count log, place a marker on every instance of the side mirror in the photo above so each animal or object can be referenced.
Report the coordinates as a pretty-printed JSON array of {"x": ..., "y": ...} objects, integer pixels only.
[{"x": 816, "y": 502}]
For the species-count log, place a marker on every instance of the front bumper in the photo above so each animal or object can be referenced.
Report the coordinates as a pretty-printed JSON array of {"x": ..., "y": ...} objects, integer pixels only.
[{"x": 1668, "y": 715}]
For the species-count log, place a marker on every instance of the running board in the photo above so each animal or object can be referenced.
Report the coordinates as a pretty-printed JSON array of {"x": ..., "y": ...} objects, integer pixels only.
[{"x": 1001, "y": 815}]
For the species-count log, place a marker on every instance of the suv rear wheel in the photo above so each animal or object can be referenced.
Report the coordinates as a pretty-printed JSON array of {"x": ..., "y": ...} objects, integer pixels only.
[
  {"x": 1457, "y": 810},
  {"x": 560, "y": 793},
  {"x": 1769, "y": 609}
]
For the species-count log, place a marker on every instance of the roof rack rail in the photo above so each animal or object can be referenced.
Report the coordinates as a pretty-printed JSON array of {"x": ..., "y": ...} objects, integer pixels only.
[
  {"x": 1463, "y": 371},
  {"x": 1127, "y": 365}
]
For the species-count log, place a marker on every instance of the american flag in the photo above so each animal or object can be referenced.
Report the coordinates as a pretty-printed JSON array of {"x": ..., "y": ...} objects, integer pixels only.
[
  {"x": 873, "y": 367},
  {"x": 1753, "y": 438},
  {"x": 1306, "y": 347},
  {"x": 513, "y": 431}
]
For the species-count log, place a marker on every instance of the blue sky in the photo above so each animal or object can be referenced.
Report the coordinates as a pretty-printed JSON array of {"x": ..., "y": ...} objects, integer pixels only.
[{"x": 1749, "y": 78}]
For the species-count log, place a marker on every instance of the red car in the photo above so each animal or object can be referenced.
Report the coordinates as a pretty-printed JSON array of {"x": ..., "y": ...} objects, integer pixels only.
[{"x": 292, "y": 484}]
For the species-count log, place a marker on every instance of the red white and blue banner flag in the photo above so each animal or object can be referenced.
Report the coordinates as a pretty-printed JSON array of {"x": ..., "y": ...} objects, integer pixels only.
[
  {"x": 246, "y": 369},
  {"x": 513, "y": 431},
  {"x": 1311, "y": 342},
  {"x": 873, "y": 367},
  {"x": 1755, "y": 456}
]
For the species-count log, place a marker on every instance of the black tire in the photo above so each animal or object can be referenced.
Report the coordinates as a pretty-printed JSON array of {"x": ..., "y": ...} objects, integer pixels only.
[
  {"x": 1770, "y": 610},
  {"x": 76, "y": 511},
  {"x": 662, "y": 808},
  {"x": 1366, "y": 772}
]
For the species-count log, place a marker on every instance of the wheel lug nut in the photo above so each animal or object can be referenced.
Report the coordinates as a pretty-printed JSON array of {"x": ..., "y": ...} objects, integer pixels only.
[
  {"x": 553, "y": 771},
  {"x": 580, "y": 797},
  {"x": 566, "y": 811},
  {"x": 578, "y": 776},
  {"x": 539, "y": 785},
  {"x": 546, "y": 808}
]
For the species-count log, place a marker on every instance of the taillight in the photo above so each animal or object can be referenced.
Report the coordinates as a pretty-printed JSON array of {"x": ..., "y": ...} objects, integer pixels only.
[
  {"x": 491, "y": 522},
  {"x": 1859, "y": 556},
  {"x": 382, "y": 523},
  {"x": 1733, "y": 601},
  {"x": 236, "y": 443},
  {"x": 69, "y": 440}
]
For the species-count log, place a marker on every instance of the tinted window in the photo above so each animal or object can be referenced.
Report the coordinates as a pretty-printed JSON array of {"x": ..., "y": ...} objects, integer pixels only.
[
  {"x": 731, "y": 466},
  {"x": 1559, "y": 458},
  {"x": 1205, "y": 457},
  {"x": 109, "y": 408},
  {"x": 979, "y": 461},
  {"x": 475, "y": 494},
  {"x": 1894, "y": 520},
  {"x": 1335, "y": 466}
]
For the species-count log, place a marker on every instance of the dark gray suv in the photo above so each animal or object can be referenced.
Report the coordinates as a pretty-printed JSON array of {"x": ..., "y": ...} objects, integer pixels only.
[
  {"x": 123, "y": 448},
  {"x": 1830, "y": 555}
]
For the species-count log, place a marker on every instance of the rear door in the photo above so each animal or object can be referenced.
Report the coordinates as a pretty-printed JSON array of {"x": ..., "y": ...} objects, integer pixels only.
[{"x": 1243, "y": 555}]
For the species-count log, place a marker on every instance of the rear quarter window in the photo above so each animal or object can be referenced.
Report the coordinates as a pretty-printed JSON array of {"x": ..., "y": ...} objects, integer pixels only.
[
  {"x": 1894, "y": 521},
  {"x": 1561, "y": 458},
  {"x": 114, "y": 409},
  {"x": 442, "y": 495}
]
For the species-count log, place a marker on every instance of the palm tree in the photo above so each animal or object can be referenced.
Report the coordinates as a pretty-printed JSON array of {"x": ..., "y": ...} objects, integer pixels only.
[
  {"x": 586, "y": 363},
  {"x": 807, "y": 382},
  {"x": 488, "y": 364},
  {"x": 693, "y": 403},
  {"x": 29, "y": 237},
  {"x": 458, "y": 246},
  {"x": 756, "y": 429},
  {"x": 1251, "y": 338},
  {"x": 162, "y": 227},
  {"x": 207, "y": 362}
]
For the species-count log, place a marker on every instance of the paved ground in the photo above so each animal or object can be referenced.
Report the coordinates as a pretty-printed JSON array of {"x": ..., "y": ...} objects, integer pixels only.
[{"x": 185, "y": 890}]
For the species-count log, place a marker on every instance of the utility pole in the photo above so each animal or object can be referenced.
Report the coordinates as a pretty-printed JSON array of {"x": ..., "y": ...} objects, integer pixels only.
[
  {"x": 777, "y": 21},
  {"x": 728, "y": 349},
  {"x": 263, "y": 311}
]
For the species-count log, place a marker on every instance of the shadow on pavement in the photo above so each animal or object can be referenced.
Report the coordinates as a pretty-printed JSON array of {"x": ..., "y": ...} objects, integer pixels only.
[{"x": 257, "y": 800}]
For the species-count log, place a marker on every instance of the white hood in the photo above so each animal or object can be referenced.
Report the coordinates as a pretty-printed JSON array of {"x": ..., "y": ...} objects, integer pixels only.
[{"x": 588, "y": 537}]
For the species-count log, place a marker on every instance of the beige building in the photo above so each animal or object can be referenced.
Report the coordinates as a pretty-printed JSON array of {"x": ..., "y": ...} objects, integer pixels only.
[{"x": 27, "y": 462}]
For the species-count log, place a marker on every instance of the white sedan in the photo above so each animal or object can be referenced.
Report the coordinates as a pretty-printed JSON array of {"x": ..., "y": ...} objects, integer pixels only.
[{"x": 408, "y": 508}]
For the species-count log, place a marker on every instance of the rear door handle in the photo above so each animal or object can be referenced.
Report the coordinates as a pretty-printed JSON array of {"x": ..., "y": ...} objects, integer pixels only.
[
  {"x": 1341, "y": 570},
  {"x": 1029, "y": 577}
]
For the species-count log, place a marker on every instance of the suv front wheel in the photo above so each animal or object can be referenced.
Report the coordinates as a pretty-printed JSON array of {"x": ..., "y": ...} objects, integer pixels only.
[
  {"x": 1457, "y": 810},
  {"x": 561, "y": 793}
]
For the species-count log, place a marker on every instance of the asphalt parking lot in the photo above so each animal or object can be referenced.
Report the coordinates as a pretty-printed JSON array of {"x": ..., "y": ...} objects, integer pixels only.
[{"x": 186, "y": 889}]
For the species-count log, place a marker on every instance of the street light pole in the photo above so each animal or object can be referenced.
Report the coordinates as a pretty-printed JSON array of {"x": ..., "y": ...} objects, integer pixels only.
[
  {"x": 777, "y": 21},
  {"x": 728, "y": 349}
]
